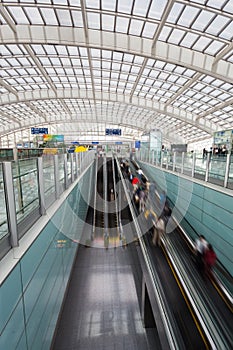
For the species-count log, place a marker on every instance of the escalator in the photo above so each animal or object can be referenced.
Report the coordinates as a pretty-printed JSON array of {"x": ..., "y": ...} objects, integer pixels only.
[{"x": 215, "y": 315}]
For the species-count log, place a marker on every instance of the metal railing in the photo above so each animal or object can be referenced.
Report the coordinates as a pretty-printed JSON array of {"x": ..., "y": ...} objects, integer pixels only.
[{"x": 213, "y": 169}]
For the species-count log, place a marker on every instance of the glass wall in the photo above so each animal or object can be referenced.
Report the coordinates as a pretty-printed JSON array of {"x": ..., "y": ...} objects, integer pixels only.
[
  {"x": 32, "y": 186},
  {"x": 3, "y": 216},
  {"x": 25, "y": 180}
]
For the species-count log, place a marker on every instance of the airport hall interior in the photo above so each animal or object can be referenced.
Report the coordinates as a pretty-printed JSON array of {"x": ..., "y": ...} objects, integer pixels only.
[{"x": 116, "y": 175}]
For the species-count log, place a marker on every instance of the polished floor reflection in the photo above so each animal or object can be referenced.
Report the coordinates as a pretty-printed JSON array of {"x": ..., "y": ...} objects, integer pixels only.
[{"x": 101, "y": 310}]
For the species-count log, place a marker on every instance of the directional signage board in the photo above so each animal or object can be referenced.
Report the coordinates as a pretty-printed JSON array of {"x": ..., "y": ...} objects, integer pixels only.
[
  {"x": 37, "y": 131},
  {"x": 113, "y": 132}
]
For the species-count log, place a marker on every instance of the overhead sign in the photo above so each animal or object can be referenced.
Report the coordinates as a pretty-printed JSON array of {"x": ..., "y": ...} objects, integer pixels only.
[
  {"x": 112, "y": 132},
  {"x": 36, "y": 131},
  {"x": 137, "y": 144}
]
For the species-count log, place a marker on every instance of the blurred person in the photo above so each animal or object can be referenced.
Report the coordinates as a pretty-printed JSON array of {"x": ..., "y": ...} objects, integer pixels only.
[
  {"x": 200, "y": 248},
  {"x": 135, "y": 182},
  {"x": 159, "y": 230},
  {"x": 209, "y": 260}
]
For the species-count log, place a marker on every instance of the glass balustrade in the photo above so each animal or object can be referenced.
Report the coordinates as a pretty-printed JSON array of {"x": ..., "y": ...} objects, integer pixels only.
[{"x": 217, "y": 170}]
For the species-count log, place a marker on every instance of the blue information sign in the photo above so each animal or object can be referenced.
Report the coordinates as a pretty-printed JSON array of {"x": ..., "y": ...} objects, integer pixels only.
[
  {"x": 37, "y": 131},
  {"x": 113, "y": 132}
]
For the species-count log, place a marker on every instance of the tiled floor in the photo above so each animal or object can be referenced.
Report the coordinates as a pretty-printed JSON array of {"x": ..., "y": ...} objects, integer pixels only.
[{"x": 101, "y": 310}]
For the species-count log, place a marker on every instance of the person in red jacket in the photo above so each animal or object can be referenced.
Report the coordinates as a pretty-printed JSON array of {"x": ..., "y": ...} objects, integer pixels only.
[
  {"x": 135, "y": 183},
  {"x": 209, "y": 260}
]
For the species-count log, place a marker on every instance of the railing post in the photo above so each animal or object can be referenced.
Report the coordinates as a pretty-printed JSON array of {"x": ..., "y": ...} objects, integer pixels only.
[
  {"x": 56, "y": 176},
  {"x": 161, "y": 160},
  {"x": 174, "y": 162},
  {"x": 76, "y": 165},
  {"x": 227, "y": 170},
  {"x": 41, "y": 185},
  {"x": 182, "y": 163},
  {"x": 65, "y": 170},
  {"x": 207, "y": 167},
  {"x": 10, "y": 203},
  {"x": 193, "y": 164},
  {"x": 72, "y": 166}
]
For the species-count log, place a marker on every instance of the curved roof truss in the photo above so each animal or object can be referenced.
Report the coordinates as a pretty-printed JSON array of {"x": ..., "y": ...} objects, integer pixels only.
[{"x": 116, "y": 63}]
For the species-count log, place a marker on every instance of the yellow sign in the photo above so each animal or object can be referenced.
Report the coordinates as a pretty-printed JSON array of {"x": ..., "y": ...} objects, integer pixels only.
[{"x": 80, "y": 149}]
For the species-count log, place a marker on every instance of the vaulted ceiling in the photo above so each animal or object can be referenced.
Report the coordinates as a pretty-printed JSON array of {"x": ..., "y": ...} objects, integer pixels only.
[{"x": 80, "y": 66}]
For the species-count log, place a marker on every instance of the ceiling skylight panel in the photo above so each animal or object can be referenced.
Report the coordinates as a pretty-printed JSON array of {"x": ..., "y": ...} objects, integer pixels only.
[
  {"x": 149, "y": 30},
  {"x": 116, "y": 66},
  {"x": 122, "y": 24},
  {"x": 224, "y": 96},
  {"x": 141, "y": 7},
  {"x": 65, "y": 61},
  {"x": 34, "y": 15},
  {"x": 60, "y": 2},
  {"x": 135, "y": 27},
  {"x": 49, "y": 16},
  {"x": 216, "y": 26},
  {"x": 201, "y": 44},
  {"x": 50, "y": 50},
  {"x": 203, "y": 20},
  {"x": 228, "y": 7},
  {"x": 93, "y": 20},
  {"x": 165, "y": 32},
  {"x": 77, "y": 18},
  {"x": 124, "y": 6},
  {"x": 134, "y": 69},
  {"x": 64, "y": 17},
  {"x": 154, "y": 74},
  {"x": 176, "y": 36},
  {"x": 106, "y": 65},
  {"x": 18, "y": 15},
  {"x": 175, "y": 12},
  {"x": 189, "y": 40},
  {"x": 215, "y": 3},
  {"x": 109, "y": 5},
  {"x": 214, "y": 48},
  {"x": 215, "y": 93},
  {"x": 117, "y": 56},
  {"x": 93, "y": 4},
  {"x": 188, "y": 16},
  {"x": 105, "y": 54},
  {"x": 55, "y": 61},
  {"x": 13, "y": 50},
  {"x": 227, "y": 32},
  {"x": 38, "y": 49},
  {"x": 157, "y": 8},
  {"x": 107, "y": 22}
]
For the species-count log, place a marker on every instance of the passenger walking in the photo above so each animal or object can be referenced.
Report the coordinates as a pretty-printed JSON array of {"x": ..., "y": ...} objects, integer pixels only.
[
  {"x": 142, "y": 198},
  {"x": 140, "y": 173},
  {"x": 159, "y": 230},
  {"x": 201, "y": 245},
  {"x": 209, "y": 260},
  {"x": 135, "y": 183}
]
